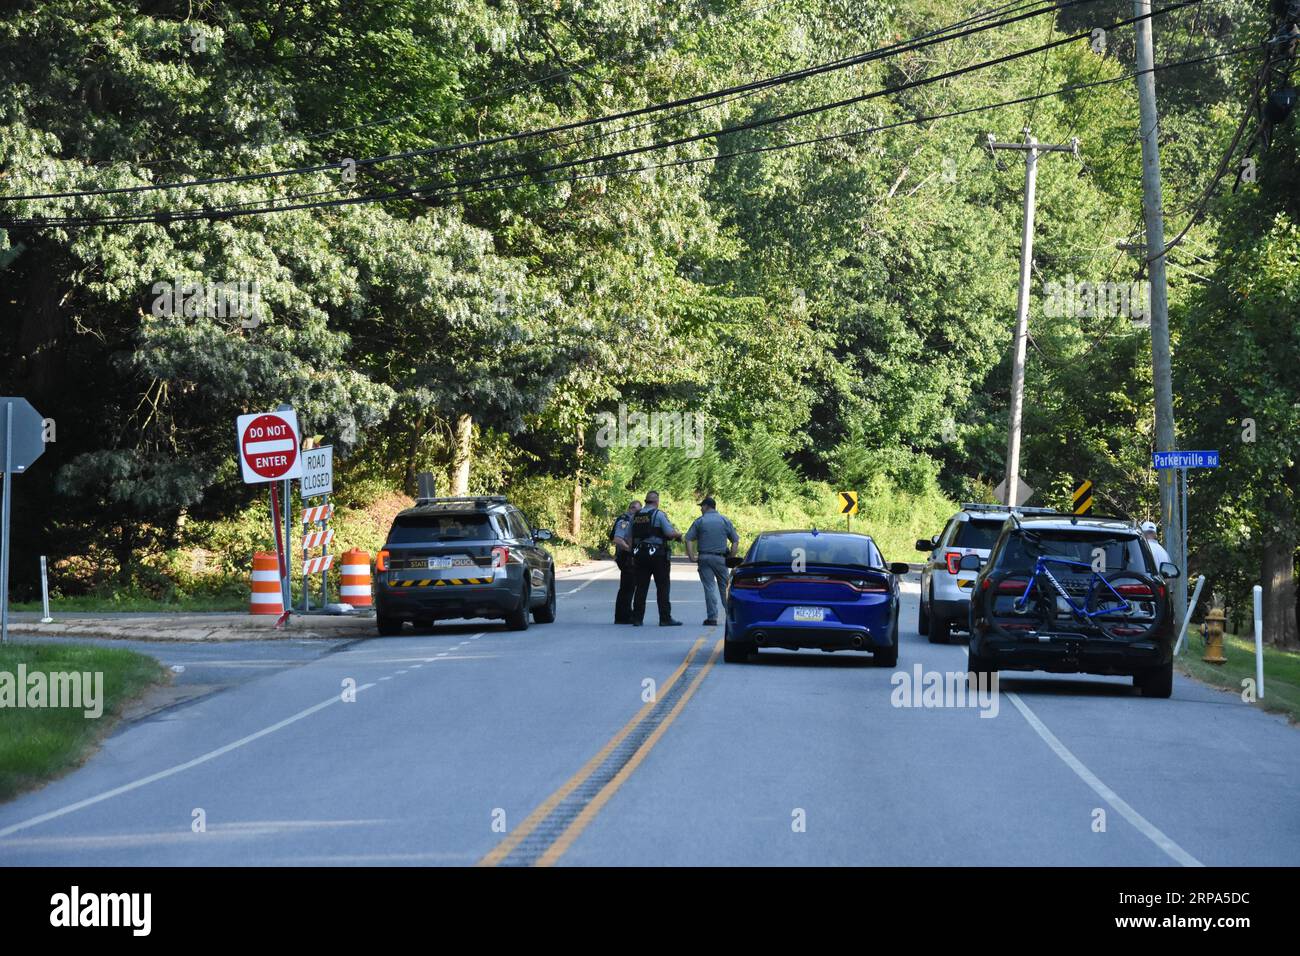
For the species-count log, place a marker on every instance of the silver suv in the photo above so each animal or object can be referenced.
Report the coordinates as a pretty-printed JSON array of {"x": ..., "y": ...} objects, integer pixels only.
[{"x": 945, "y": 588}]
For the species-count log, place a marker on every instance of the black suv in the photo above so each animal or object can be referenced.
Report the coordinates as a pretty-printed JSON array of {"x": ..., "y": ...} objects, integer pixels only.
[
  {"x": 463, "y": 557},
  {"x": 1073, "y": 595}
]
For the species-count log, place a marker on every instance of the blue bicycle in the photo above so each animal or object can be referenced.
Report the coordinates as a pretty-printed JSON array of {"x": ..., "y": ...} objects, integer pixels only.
[{"x": 1122, "y": 605}]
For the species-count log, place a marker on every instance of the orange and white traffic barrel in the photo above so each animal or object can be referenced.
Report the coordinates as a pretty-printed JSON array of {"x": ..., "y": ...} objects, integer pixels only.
[
  {"x": 354, "y": 578},
  {"x": 265, "y": 597}
]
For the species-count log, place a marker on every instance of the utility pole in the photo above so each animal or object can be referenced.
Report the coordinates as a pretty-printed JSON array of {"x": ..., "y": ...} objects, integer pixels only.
[
  {"x": 1031, "y": 148},
  {"x": 1161, "y": 365}
]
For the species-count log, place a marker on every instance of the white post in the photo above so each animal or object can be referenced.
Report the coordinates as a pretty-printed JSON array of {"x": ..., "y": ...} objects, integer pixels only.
[
  {"x": 45, "y": 594},
  {"x": 1182, "y": 632},
  {"x": 1259, "y": 642}
]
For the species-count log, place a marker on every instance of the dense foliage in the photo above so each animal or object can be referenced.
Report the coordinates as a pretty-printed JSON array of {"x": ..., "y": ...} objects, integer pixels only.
[{"x": 836, "y": 312}]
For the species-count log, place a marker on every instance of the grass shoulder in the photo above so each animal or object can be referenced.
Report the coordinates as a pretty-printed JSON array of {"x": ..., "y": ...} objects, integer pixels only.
[
  {"x": 42, "y": 742},
  {"x": 1281, "y": 671}
]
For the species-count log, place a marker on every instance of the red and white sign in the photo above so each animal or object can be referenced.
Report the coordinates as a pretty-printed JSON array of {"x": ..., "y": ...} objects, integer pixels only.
[
  {"x": 317, "y": 513},
  {"x": 268, "y": 446},
  {"x": 317, "y": 539},
  {"x": 317, "y": 565}
]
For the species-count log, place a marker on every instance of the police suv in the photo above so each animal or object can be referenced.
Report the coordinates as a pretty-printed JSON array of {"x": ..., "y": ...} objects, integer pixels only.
[
  {"x": 463, "y": 557},
  {"x": 945, "y": 588}
]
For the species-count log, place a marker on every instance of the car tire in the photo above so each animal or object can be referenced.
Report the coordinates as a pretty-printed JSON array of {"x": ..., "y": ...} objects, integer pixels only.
[
  {"x": 546, "y": 613},
  {"x": 888, "y": 658},
  {"x": 737, "y": 652},
  {"x": 1157, "y": 682},
  {"x": 388, "y": 626},
  {"x": 940, "y": 629},
  {"x": 922, "y": 617},
  {"x": 977, "y": 664},
  {"x": 517, "y": 620}
]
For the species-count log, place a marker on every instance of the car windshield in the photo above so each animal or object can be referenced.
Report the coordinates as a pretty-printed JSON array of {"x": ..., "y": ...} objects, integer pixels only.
[
  {"x": 816, "y": 549},
  {"x": 977, "y": 534},
  {"x": 1122, "y": 552},
  {"x": 417, "y": 529}
]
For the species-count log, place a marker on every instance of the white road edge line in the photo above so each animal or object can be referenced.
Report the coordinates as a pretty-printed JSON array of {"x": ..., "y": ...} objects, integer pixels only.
[
  {"x": 1144, "y": 826},
  {"x": 591, "y": 580},
  {"x": 172, "y": 771}
]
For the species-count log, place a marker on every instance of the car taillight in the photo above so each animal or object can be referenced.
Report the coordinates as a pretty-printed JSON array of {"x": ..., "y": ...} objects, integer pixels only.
[
  {"x": 1009, "y": 585},
  {"x": 500, "y": 555},
  {"x": 954, "y": 561},
  {"x": 1134, "y": 590},
  {"x": 381, "y": 561},
  {"x": 868, "y": 586},
  {"x": 755, "y": 582}
]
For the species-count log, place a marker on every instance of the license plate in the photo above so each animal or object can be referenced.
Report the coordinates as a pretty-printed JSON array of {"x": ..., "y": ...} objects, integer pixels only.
[
  {"x": 810, "y": 614},
  {"x": 434, "y": 563}
]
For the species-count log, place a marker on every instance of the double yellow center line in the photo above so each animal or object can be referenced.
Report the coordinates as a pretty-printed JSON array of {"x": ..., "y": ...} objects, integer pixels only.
[{"x": 548, "y": 832}]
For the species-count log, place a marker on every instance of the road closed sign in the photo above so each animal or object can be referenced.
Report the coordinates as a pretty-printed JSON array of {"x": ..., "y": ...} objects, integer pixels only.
[
  {"x": 317, "y": 472},
  {"x": 268, "y": 446}
]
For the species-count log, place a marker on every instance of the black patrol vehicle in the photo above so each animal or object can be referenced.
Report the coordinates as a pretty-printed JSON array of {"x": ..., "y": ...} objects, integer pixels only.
[{"x": 465, "y": 557}]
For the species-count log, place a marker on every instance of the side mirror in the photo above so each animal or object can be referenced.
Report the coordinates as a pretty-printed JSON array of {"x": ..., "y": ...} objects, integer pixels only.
[
  {"x": 899, "y": 567},
  {"x": 1169, "y": 570},
  {"x": 923, "y": 545},
  {"x": 734, "y": 560},
  {"x": 541, "y": 534},
  {"x": 969, "y": 562}
]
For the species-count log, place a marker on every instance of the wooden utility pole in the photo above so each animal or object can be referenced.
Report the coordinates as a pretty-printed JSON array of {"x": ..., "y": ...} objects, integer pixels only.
[
  {"x": 1161, "y": 363},
  {"x": 1031, "y": 148}
]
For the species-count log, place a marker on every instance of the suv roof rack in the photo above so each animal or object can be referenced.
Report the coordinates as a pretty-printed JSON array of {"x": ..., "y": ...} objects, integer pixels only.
[
  {"x": 972, "y": 506},
  {"x": 463, "y": 499}
]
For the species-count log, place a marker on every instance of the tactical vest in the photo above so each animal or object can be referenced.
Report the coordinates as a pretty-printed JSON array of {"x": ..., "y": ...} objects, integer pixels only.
[{"x": 643, "y": 524}]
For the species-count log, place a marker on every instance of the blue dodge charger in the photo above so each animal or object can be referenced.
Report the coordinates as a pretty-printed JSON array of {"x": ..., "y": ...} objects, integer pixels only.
[{"x": 820, "y": 589}]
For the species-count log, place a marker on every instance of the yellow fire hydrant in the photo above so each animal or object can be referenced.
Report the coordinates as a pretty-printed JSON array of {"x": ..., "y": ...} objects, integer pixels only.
[{"x": 1214, "y": 637}]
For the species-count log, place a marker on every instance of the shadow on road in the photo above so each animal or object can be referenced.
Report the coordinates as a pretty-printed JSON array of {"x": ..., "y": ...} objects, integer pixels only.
[
  {"x": 1064, "y": 687},
  {"x": 813, "y": 659}
]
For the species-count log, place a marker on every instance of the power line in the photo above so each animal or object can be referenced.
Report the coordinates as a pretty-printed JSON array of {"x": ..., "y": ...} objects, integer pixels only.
[
  {"x": 850, "y": 134},
  {"x": 925, "y": 40}
]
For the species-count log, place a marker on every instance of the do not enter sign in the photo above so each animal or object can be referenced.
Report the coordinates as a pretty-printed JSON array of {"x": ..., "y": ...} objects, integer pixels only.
[{"x": 268, "y": 446}]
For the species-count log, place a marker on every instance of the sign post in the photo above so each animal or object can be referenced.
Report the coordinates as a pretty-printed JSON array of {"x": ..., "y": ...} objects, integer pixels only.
[
  {"x": 317, "y": 482},
  {"x": 24, "y": 441},
  {"x": 848, "y": 507},
  {"x": 268, "y": 453},
  {"x": 1180, "y": 462},
  {"x": 1082, "y": 496}
]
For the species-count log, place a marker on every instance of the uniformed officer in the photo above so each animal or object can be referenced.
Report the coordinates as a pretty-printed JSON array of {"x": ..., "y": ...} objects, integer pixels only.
[
  {"x": 651, "y": 532},
  {"x": 1157, "y": 549},
  {"x": 621, "y": 535},
  {"x": 715, "y": 537}
]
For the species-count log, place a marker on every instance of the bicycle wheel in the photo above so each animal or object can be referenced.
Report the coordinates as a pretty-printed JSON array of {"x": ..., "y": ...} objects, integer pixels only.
[
  {"x": 1011, "y": 612},
  {"x": 1126, "y": 605}
]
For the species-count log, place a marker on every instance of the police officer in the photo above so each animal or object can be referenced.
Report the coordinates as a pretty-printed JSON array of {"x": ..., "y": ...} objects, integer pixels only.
[
  {"x": 651, "y": 532},
  {"x": 715, "y": 537},
  {"x": 621, "y": 535},
  {"x": 1157, "y": 549}
]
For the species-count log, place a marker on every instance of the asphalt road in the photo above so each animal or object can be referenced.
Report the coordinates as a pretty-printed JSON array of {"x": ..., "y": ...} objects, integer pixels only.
[{"x": 586, "y": 743}]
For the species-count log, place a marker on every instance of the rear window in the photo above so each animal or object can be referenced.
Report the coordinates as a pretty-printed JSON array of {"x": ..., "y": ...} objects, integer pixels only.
[
  {"x": 977, "y": 534},
  {"x": 417, "y": 529},
  {"x": 819, "y": 549},
  {"x": 1122, "y": 553}
]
